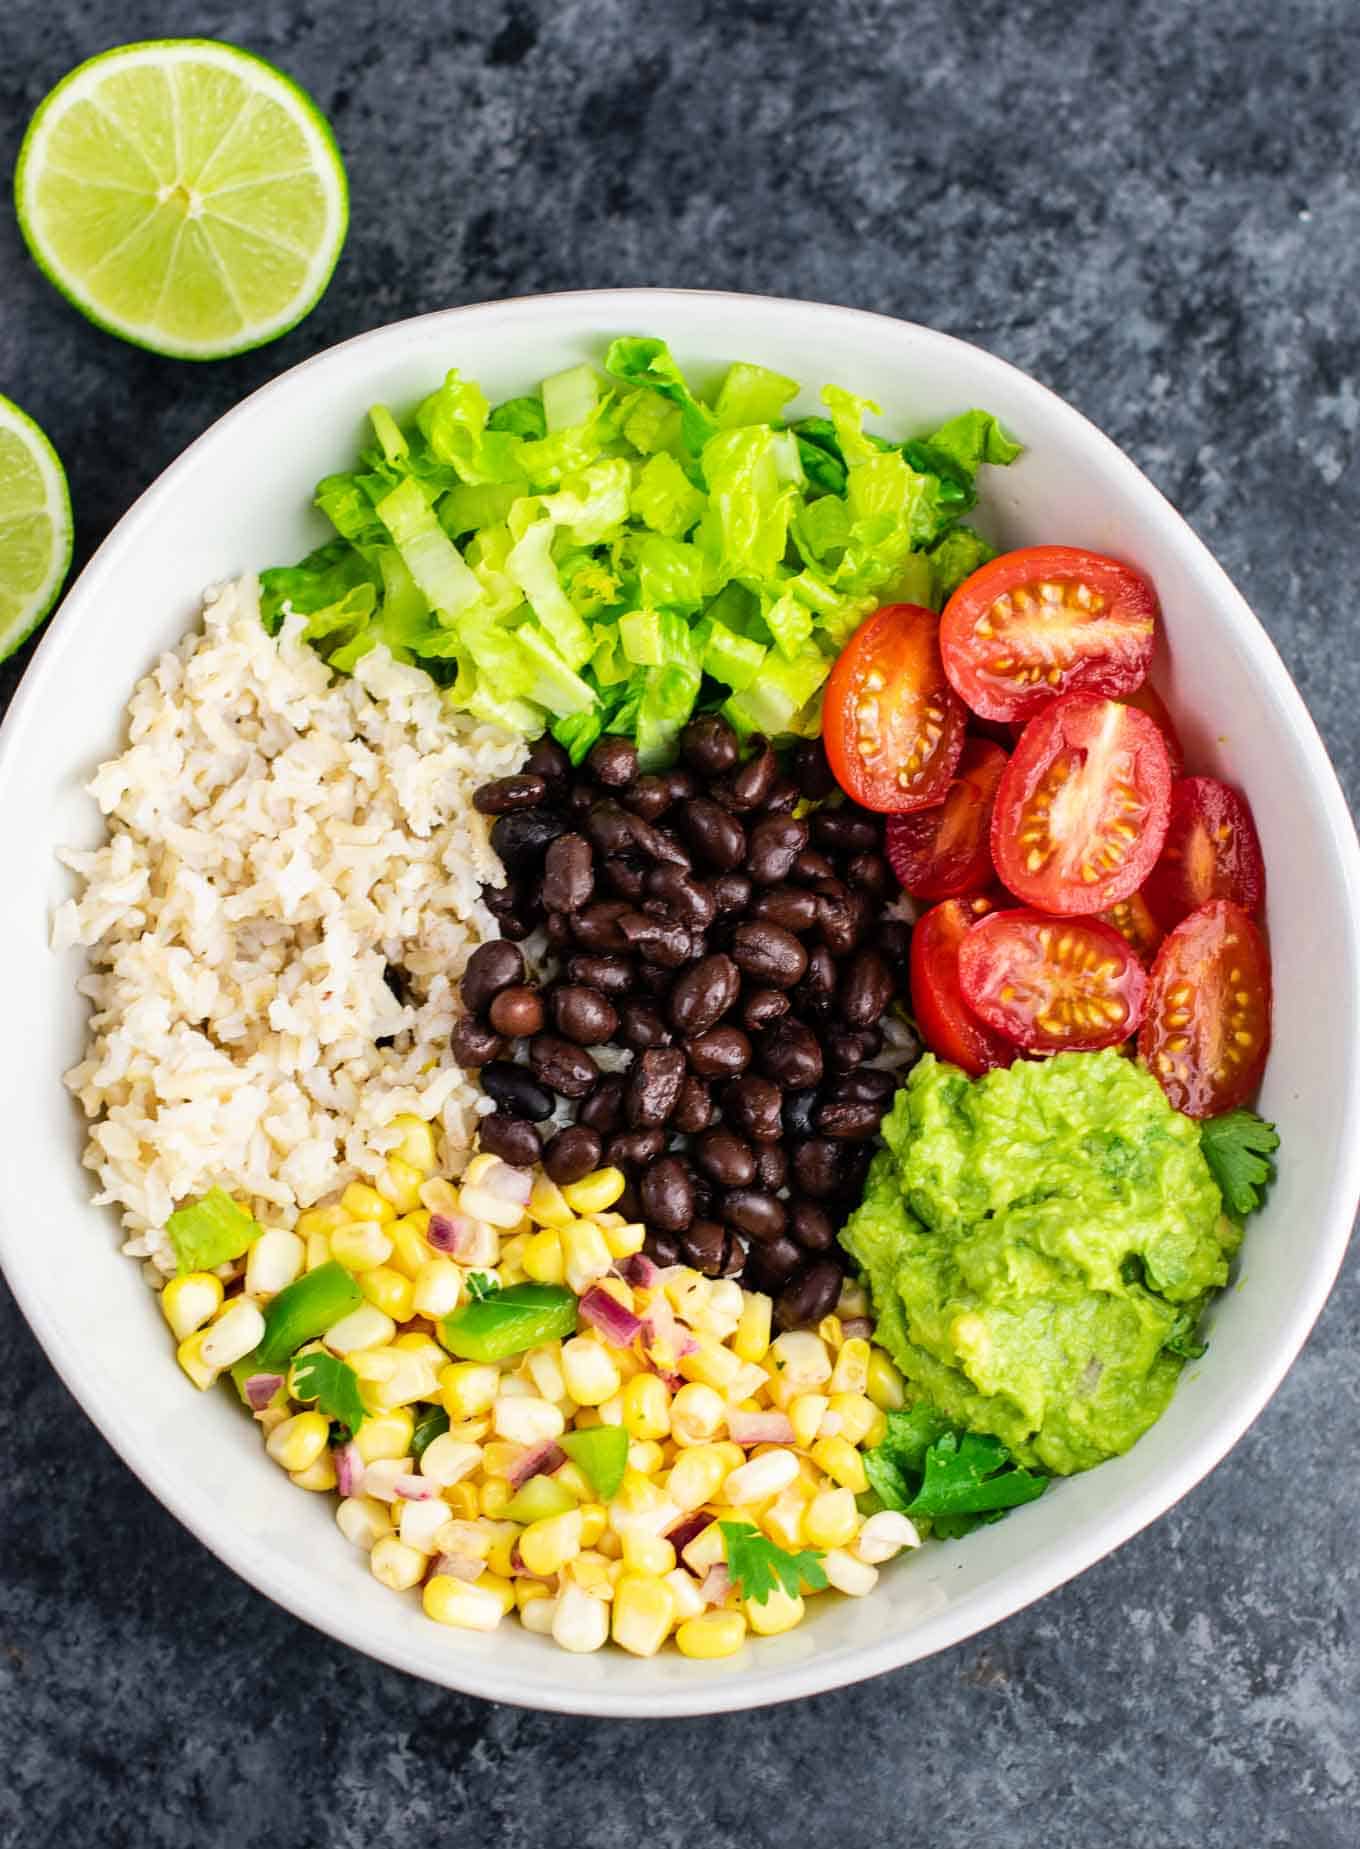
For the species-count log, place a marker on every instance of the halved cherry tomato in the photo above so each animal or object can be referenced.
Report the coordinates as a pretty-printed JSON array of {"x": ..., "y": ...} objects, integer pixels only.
[
  {"x": 1136, "y": 925},
  {"x": 1207, "y": 1029},
  {"x": 1211, "y": 852},
  {"x": 1081, "y": 810},
  {"x": 948, "y": 1025},
  {"x": 892, "y": 725},
  {"x": 944, "y": 852},
  {"x": 1046, "y": 621},
  {"x": 1052, "y": 985}
]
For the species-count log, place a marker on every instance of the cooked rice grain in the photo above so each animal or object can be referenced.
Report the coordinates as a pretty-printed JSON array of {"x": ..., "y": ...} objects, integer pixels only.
[{"x": 276, "y": 840}]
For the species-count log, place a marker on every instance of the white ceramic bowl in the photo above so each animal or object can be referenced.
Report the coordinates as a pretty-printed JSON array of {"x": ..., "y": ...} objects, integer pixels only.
[{"x": 239, "y": 499}]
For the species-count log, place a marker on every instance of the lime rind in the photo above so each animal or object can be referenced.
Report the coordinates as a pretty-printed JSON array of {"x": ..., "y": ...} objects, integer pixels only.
[
  {"x": 56, "y": 505},
  {"x": 260, "y": 78}
]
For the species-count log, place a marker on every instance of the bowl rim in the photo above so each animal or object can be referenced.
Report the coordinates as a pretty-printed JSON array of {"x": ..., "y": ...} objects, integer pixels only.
[{"x": 270, "y": 1571}]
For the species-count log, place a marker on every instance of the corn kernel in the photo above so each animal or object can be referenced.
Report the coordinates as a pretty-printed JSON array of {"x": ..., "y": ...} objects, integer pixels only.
[
  {"x": 782, "y": 1519},
  {"x": 299, "y": 1441},
  {"x": 363, "y": 1521},
  {"x": 420, "y": 1522},
  {"x": 712, "y": 1365},
  {"x": 388, "y": 1291},
  {"x": 526, "y": 1419},
  {"x": 318, "y": 1250},
  {"x": 587, "y": 1257},
  {"x": 851, "y": 1372},
  {"x": 490, "y": 1190},
  {"x": 543, "y": 1260},
  {"x": 395, "y": 1564},
  {"x": 547, "y": 1204},
  {"x": 541, "y": 1614},
  {"x": 732, "y": 1454},
  {"x": 849, "y": 1575},
  {"x": 188, "y": 1302},
  {"x": 463, "y": 1501},
  {"x": 572, "y": 1477},
  {"x": 493, "y": 1496},
  {"x": 543, "y": 1366},
  {"x": 831, "y": 1519},
  {"x": 468, "y": 1388},
  {"x": 417, "y": 1142},
  {"x": 626, "y": 1239},
  {"x": 323, "y": 1220},
  {"x": 764, "y": 1476},
  {"x": 581, "y": 1621},
  {"x": 500, "y": 1587},
  {"x": 189, "y": 1354},
  {"x": 722, "y": 1309},
  {"x": 608, "y": 1412},
  {"x": 885, "y": 1385},
  {"x": 643, "y": 1612},
  {"x": 501, "y": 1538},
  {"x": 780, "y": 1612},
  {"x": 800, "y": 1360},
  {"x": 467, "y": 1608},
  {"x": 399, "y": 1183},
  {"x": 589, "y": 1371},
  {"x": 707, "y": 1549},
  {"x": 436, "y": 1288},
  {"x": 529, "y": 1592},
  {"x": 413, "y": 1341},
  {"x": 410, "y": 1248},
  {"x": 711, "y": 1635},
  {"x": 883, "y": 1536},
  {"x": 273, "y": 1262},
  {"x": 591, "y": 1571},
  {"x": 751, "y": 1340},
  {"x": 696, "y": 1477},
  {"x": 842, "y": 1463},
  {"x": 237, "y": 1328},
  {"x": 361, "y": 1202},
  {"x": 446, "y": 1461},
  {"x": 685, "y": 1594},
  {"x": 594, "y": 1521},
  {"x": 646, "y": 1457},
  {"x": 546, "y": 1546},
  {"x": 805, "y": 1416},
  {"x": 610, "y": 1546},
  {"x": 648, "y": 1553},
  {"x": 595, "y": 1192},
  {"x": 319, "y": 1475},
  {"x": 857, "y": 1415},
  {"x": 697, "y": 1413},
  {"x": 361, "y": 1246}
]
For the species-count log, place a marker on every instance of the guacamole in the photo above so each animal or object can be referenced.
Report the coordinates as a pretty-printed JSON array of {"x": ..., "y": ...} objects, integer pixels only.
[{"x": 1038, "y": 1244}]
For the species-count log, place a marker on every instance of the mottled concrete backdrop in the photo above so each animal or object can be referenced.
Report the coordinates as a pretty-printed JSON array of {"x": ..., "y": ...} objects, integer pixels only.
[{"x": 1152, "y": 206}]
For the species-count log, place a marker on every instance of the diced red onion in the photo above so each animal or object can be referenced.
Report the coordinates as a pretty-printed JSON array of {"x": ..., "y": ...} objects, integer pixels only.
[
  {"x": 673, "y": 1380},
  {"x": 539, "y": 1460},
  {"x": 460, "y": 1566},
  {"x": 349, "y": 1469},
  {"x": 716, "y": 1585},
  {"x": 760, "y": 1428},
  {"x": 660, "y": 1330},
  {"x": 638, "y": 1270},
  {"x": 618, "y": 1325},
  {"x": 857, "y": 1326},
  {"x": 412, "y": 1488},
  {"x": 260, "y": 1389},
  {"x": 687, "y": 1528},
  {"x": 453, "y": 1233}
]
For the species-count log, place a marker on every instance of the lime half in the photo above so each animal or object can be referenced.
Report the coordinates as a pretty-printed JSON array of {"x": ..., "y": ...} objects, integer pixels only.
[
  {"x": 35, "y": 526},
  {"x": 185, "y": 195}
]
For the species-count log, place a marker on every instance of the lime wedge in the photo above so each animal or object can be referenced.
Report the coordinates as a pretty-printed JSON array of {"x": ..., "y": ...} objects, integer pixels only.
[
  {"x": 35, "y": 526},
  {"x": 185, "y": 195}
]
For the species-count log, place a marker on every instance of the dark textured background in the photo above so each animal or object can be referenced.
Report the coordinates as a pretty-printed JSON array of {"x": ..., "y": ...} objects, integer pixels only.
[{"x": 1154, "y": 208}]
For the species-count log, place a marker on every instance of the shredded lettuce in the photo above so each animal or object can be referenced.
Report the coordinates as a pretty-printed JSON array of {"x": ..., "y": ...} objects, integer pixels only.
[{"x": 616, "y": 550}]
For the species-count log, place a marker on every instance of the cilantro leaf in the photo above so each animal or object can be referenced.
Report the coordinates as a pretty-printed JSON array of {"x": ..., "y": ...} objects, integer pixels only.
[
  {"x": 332, "y": 1383},
  {"x": 755, "y": 1563},
  {"x": 480, "y": 1286},
  {"x": 972, "y": 1475},
  {"x": 1238, "y": 1148}
]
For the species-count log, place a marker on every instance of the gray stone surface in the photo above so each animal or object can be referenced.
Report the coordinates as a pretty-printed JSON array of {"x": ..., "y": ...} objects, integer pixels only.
[{"x": 1151, "y": 206}]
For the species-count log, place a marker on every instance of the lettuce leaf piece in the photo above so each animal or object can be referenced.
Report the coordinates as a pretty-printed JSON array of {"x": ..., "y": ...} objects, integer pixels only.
[
  {"x": 751, "y": 395},
  {"x": 453, "y": 421},
  {"x": 570, "y": 398},
  {"x": 554, "y": 685},
  {"x": 972, "y": 438},
  {"x": 952, "y": 559},
  {"x": 640, "y": 638},
  {"x": 520, "y": 417},
  {"x": 530, "y": 564},
  {"x": 469, "y": 506},
  {"x": 347, "y": 503},
  {"x": 640, "y": 361},
  {"x": 789, "y": 621},
  {"x": 429, "y": 554},
  {"x": 780, "y": 691},
  {"x": 671, "y": 573},
  {"x": 745, "y": 527},
  {"x": 730, "y": 658},
  {"x": 577, "y": 732},
  {"x": 653, "y": 425},
  {"x": 321, "y": 579},
  {"x": 665, "y": 499}
]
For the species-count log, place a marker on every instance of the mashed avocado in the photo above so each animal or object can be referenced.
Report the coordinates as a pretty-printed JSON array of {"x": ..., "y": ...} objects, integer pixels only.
[{"x": 1039, "y": 1244}]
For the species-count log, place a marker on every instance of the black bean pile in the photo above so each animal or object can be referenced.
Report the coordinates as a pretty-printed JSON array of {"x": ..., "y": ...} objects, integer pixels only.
[{"x": 739, "y": 952}]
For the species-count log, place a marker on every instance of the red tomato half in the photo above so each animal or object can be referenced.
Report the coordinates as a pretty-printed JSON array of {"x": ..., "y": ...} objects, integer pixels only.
[
  {"x": 1136, "y": 925},
  {"x": 1207, "y": 1029},
  {"x": 1211, "y": 852},
  {"x": 948, "y": 1025},
  {"x": 944, "y": 852},
  {"x": 1046, "y": 621},
  {"x": 1081, "y": 810},
  {"x": 892, "y": 725},
  {"x": 1052, "y": 985}
]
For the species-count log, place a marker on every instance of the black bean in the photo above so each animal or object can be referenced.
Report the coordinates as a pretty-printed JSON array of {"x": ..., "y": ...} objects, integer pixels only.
[
  {"x": 609, "y": 828},
  {"x": 572, "y": 1154},
  {"x": 752, "y": 1105},
  {"x": 659, "y": 844},
  {"x": 752, "y": 1211},
  {"x": 769, "y": 953},
  {"x": 794, "y": 907},
  {"x": 811, "y": 1226},
  {"x": 772, "y": 1166},
  {"x": 548, "y": 759},
  {"x": 791, "y": 1054},
  {"x": 694, "y": 1108},
  {"x": 568, "y": 1069},
  {"x": 506, "y": 794},
  {"x": 688, "y": 899},
  {"x": 649, "y": 797},
  {"x": 703, "y": 994},
  {"x": 716, "y": 837},
  {"x": 810, "y": 867},
  {"x": 602, "y": 1107},
  {"x": 657, "y": 940},
  {"x": 557, "y": 927},
  {"x": 705, "y": 1194},
  {"x": 705, "y": 1246},
  {"x": 849, "y": 1120},
  {"x": 634, "y": 1148},
  {"x": 610, "y": 975},
  {"x": 584, "y": 1015},
  {"x": 511, "y": 1138},
  {"x": 596, "y": 927},
  {"x": 613, "y": 761},
  {"x": 725, "y": 1158},
  {"x": 893, "y": 937},
  {"x": 491, "y": 967},
  {"x": 817, "y": 1167},
  {"x": 654, "y": 980},
  {"x": 770, "y": 1266},
  {"x": 512, "y": 909},
  {"x": 866, "y": 988},
  {"x": 516, "y": 1091},
  {"x": 783, "y": 798},
  {"x": 731, "y": 893},
  {"x": 869, "y": 873},
  {"x": 816, "y": 994},
  {"x": 568, "y": 874},
  {"x": 842, "y": 917},
  {"x": 662, "y": 1249},
  {"x": 472, "y": 1044},
  {"x": 815, "y": 777},
  {"x": 517, "y": 1012},
  {"x": 709, "y": 745},
  {"x": 799, "y": 1113},
  {"x": 748, "y": 787},
  {"x": 522, "y": 839},
  {"x": 854, "y": 1173},
  {"x": 847, "y": 1048},
  {"x": 642, "y": 1025},
  {"x": 667, "y": 1194},
  {"x": 762, "y": 1008},
  {"x": 734, "y": 1258},
  {"x": 867, "y": 1084},
  {"x": 776, "y": 842},
  {"x": 681, "y": 784},
  {"x": 847, "y": 831},
  {"x": 810, "y": 1297},
  {"x": 653, "y": 1086},
  {"x": 719, "y": 1053}
]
